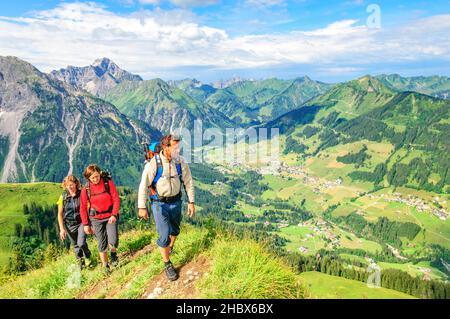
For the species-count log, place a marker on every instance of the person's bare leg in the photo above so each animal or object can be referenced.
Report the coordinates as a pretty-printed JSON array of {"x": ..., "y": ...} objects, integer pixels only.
[
  {"x": 104, "y": 258},
  {"x": 172, "y": 240},
  {"x": 165, "y": 252}
]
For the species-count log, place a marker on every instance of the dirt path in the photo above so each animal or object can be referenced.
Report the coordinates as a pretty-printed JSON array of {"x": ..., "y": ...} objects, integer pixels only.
[
  {"x": 160, "y": 287},
  {"x": 105, "y": 284}
]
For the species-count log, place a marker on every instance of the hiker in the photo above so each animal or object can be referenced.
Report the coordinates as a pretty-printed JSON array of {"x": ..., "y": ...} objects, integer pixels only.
[
  {"x": 165, "y": 173},
  {"x": 69, "y": 220},
  {"x": 99, "y": 211}
]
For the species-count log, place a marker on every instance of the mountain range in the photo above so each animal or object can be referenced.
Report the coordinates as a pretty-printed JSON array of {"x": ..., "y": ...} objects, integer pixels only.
[{"x": 56, "y": 123}]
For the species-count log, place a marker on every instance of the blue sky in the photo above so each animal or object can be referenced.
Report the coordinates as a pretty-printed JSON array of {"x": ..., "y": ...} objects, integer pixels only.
[{"x": 213, "y": 39}]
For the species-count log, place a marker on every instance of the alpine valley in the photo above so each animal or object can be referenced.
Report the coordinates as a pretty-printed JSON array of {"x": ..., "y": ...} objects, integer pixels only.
[{"x": 363, "y": 179}]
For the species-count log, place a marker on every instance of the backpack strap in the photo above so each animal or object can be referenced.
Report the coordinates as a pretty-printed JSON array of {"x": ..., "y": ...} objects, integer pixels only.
[
  {"x": 64, "y": 197},
  {"x": 106, "y": 182},
  {"x": 180, "y": 173},
  {"x": 159, "y": 170},
  {"x": 88, "y": 191}
]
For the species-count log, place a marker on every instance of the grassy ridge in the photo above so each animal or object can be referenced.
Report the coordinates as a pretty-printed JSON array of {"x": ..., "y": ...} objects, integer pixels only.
[
  {"x": 244, "y": 268},
  {"x": 324, "y": 286},
  {"x": 12, "y": 199}
]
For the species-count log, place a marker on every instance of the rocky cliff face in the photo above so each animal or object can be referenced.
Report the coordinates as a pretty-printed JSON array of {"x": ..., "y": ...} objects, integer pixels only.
[
  {"x": 97, "y": 78},
  {"x": 49, "y": 129}
]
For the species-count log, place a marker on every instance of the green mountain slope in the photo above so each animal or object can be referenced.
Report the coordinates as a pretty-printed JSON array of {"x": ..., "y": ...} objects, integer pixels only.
[
  {"x": 12, "y": 198},
  {"x": 437, "y": 86},
  {"x": 415, "y": 124},
  {"x": 253, "y": 102},
  {"x": 323, "y": 286},
  {"x": 162, "y": 106}
]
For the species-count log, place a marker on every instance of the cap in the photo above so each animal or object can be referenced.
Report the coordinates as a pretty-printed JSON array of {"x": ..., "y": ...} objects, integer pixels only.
[{"x": 176, "y": 137}]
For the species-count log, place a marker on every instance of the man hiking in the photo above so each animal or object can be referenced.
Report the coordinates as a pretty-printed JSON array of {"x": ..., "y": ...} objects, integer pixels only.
[{"x": 163, "y": 176}]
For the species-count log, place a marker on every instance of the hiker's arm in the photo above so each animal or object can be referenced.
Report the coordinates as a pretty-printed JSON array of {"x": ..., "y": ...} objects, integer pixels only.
[
  {"x": 83, "y": 207},
  {"x": 115, "y": 198},
  {"x": 188, "y": 181},
  {"x": 62, "y": 231},
  {"x": 147, "y": 178}
]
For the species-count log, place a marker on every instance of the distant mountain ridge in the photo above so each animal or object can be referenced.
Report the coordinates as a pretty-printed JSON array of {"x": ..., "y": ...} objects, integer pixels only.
[
  {"x": 436, "y": 86},
  {"x": 98, "y": 78}
]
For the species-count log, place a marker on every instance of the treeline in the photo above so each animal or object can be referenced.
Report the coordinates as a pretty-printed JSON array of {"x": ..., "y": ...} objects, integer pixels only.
[
  {"x": 309, "y": 131},
  {"x": 292, "y": 146},
  {"x": 375, "y": 177},
  {"x": 249, "y": 182},
  {"x": 207, "y": 174},
  {"x": 390, "y": 278},
  {"x": 355, "y": 158},
  {"x": 292, "y": 217},
  {"x": 383, "y": 230},
  {"x": 36, "y": 241}
]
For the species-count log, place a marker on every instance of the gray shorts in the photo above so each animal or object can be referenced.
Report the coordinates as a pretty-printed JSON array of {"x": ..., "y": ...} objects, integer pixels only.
[{"x": 105, "y": 233}]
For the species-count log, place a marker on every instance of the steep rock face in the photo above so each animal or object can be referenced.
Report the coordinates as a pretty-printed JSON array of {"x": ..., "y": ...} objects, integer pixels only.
[
  {"x": 97, "y": 78},
  {"x": 48, "y": 129}
]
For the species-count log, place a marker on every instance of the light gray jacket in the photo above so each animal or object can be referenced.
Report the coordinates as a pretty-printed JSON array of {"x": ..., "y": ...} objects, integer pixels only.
[{"x": 169, "y": 184}]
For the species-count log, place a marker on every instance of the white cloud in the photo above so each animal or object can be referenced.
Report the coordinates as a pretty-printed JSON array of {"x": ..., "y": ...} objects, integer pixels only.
[
  {"x": 180, "y": 3},
  {"x": 150, "y": 41},
  {"x": 264, "y": 3}
]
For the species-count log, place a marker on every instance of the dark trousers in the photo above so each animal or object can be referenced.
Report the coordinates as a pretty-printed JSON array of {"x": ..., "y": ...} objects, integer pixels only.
[{"x": 77, "y": 238}]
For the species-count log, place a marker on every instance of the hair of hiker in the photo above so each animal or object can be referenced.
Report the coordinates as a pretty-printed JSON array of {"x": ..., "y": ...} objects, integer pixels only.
[
  {"x": 91, "y": 169},
  {"x": 71, "y": 179}
]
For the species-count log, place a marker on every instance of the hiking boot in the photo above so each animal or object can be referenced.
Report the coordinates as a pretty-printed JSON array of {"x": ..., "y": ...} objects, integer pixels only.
[
  {"x": 88, "y": 262},
  {"x": 81, "y": 263},
  {"x": 114, "y": 259},
  {"x": 171, "y": 273},
  {"x": 106, "y": 270}
]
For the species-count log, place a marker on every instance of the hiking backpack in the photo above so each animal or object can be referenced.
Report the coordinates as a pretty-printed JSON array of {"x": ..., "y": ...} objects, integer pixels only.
[
  {"x": 153, "y": 151},
  {"x": 76, "y": 212},
  {"x": 106, "y": 177}
]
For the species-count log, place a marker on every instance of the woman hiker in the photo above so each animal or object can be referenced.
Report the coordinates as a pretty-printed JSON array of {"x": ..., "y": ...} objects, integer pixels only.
[
  {"x": 69, "y": 220},
  {"x": 99, "y": 211}
]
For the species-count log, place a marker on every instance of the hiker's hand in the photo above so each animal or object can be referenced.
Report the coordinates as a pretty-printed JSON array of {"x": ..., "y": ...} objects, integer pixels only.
[
  {"x": 112, "y": 220},
  {"x": 191, "y": 210},
  {"x": 88, "y": 230},
  {"x": 62, "y": 234},
  {"x": 143, "y": 213}
]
